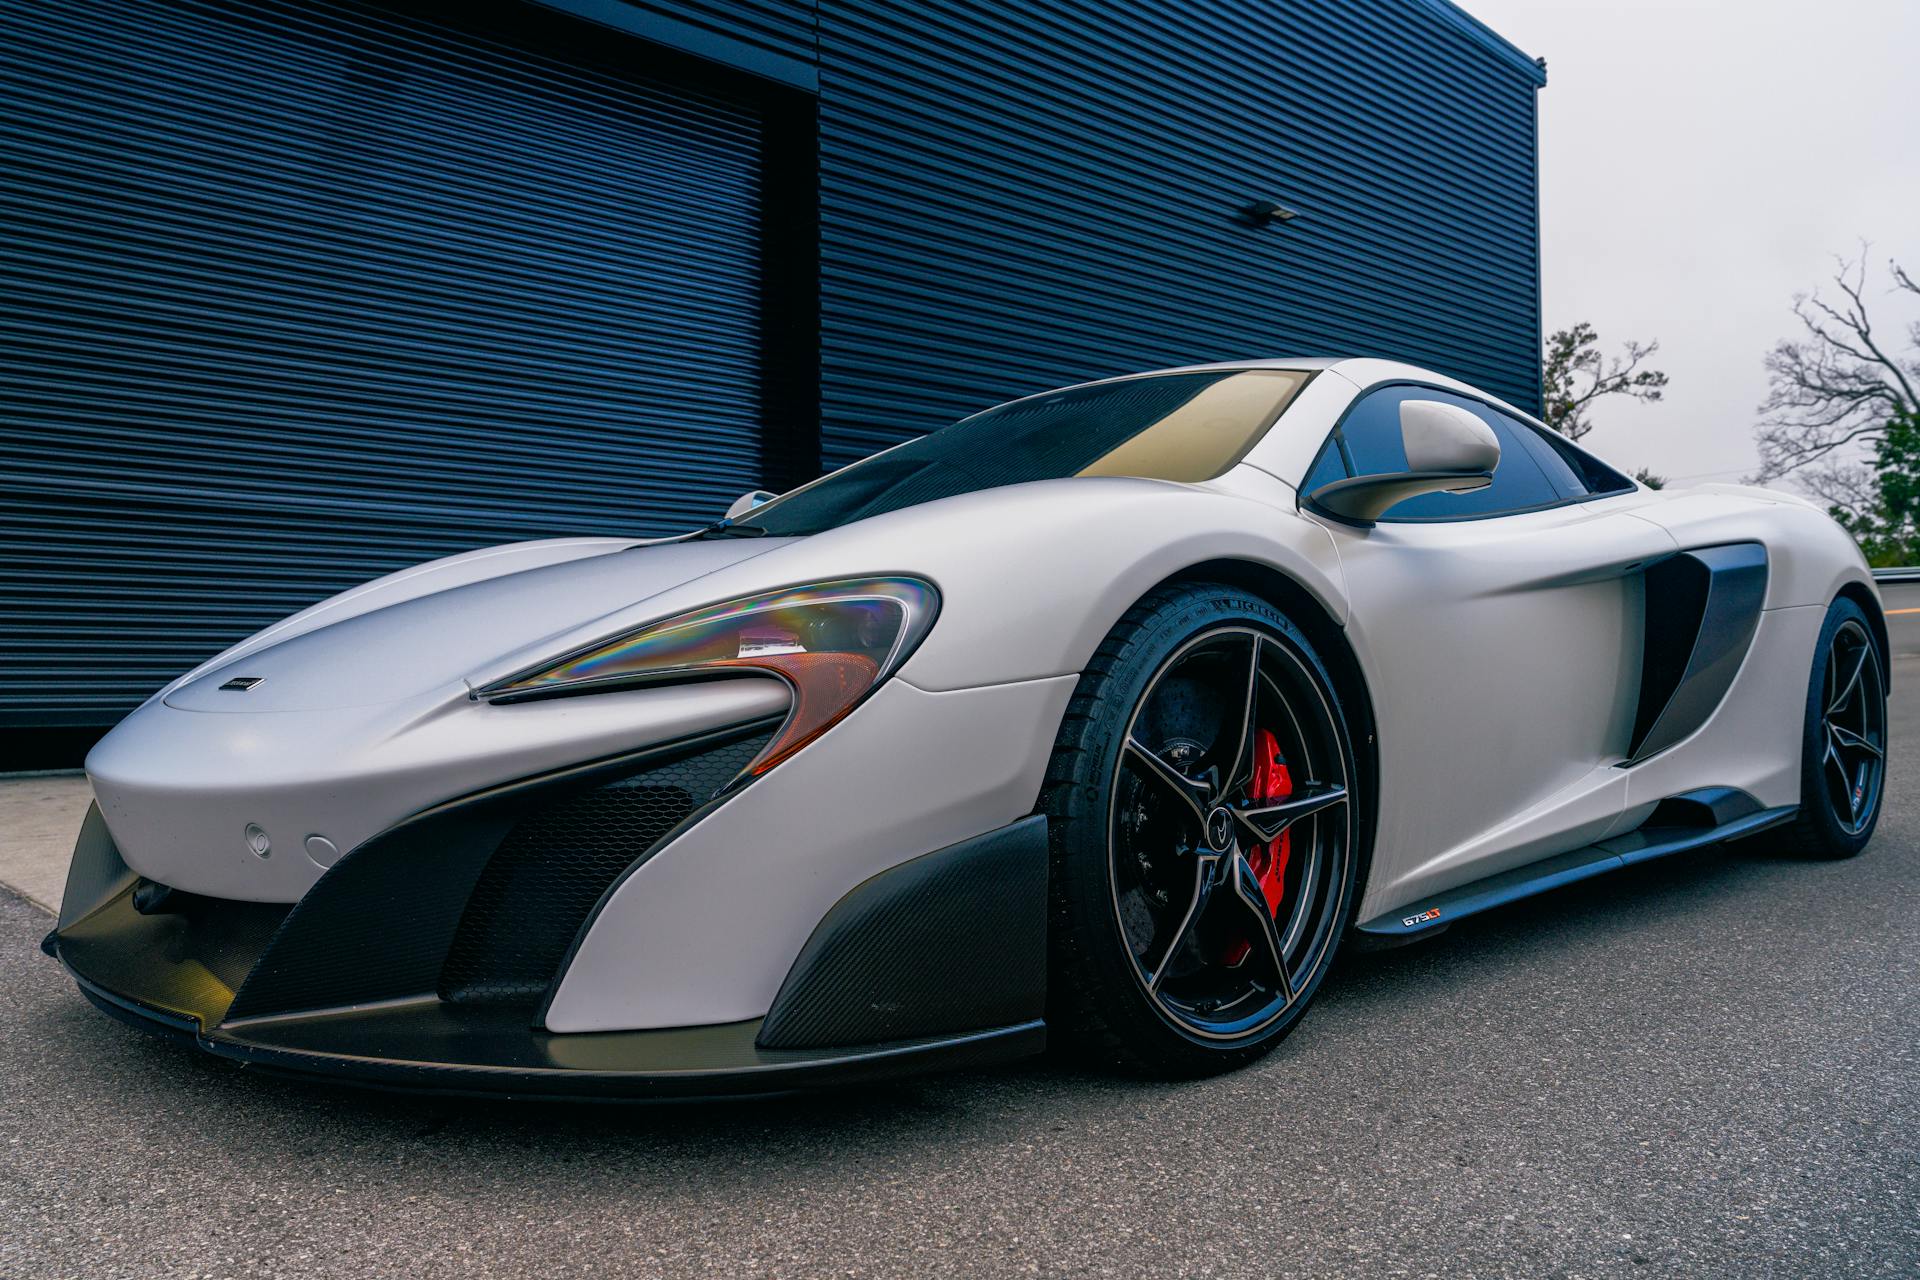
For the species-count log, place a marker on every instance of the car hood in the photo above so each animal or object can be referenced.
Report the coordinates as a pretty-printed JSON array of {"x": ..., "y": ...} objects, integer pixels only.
[{"x": 426, "y": 628}]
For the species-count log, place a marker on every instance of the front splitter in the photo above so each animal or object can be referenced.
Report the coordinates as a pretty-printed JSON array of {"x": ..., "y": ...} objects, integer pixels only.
[{"x": 431, "y": 1046}]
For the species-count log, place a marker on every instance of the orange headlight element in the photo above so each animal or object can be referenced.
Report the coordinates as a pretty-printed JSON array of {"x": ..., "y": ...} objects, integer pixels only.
[{"x": 831, "y": 642}]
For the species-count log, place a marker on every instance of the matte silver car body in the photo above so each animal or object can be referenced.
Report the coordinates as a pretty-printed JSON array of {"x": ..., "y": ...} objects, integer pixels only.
[{"x": 1500, "y": 658}]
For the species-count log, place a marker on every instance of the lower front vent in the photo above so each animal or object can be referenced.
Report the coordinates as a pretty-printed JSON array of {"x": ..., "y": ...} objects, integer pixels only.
[
  {"x": 558, "y": 860},
  {"x": 178, "y": 952}
]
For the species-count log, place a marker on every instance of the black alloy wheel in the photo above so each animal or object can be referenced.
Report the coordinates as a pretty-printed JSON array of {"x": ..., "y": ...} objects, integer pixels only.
[
  {"x": 1221, "y": 850},
  {"x": 1854, "y": 726},
  {"x": 1843, "y": 759}
]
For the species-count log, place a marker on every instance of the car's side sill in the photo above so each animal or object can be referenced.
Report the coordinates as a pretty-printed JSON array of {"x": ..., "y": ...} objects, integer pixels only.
[{"x": 1647, "y": 842}]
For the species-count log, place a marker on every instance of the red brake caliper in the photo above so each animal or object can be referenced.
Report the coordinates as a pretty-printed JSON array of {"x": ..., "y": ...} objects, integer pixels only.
[{"x": 1271, "y": 784}]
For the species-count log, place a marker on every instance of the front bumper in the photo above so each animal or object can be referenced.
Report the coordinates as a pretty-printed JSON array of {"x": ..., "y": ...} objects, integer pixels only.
[{"x": 426, "y": 958}]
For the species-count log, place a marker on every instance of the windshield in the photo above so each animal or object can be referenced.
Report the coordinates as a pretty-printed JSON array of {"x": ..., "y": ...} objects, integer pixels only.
[{"x": 1171, "y": 426}]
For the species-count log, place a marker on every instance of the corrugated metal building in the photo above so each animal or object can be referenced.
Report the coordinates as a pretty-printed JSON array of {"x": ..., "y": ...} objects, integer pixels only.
[{"x": 292, "y": 294}]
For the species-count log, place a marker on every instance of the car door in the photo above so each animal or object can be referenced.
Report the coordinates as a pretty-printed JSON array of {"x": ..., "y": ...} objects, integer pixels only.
[{"x": 1501, "y": 631}]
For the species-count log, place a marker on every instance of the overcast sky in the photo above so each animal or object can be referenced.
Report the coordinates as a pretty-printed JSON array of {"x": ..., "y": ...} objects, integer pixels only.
[{"x": 1700, "y": 163}]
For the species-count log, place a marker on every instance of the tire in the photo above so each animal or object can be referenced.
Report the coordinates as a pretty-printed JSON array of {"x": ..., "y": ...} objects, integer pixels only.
[
  {"x": 1842, "y": 781},
  {"x": 1184, "y": 941}
]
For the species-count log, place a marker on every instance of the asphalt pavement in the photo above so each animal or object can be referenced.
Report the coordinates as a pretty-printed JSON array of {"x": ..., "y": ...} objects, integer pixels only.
[{"x": 1705, "y": 1066}]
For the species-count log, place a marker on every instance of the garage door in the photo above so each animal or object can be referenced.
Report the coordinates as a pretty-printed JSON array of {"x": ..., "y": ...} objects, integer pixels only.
[{"x": 293, "y": 296}]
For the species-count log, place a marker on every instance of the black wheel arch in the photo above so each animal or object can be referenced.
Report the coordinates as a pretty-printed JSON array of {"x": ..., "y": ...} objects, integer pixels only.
[{"x": 1863, "y": 595}]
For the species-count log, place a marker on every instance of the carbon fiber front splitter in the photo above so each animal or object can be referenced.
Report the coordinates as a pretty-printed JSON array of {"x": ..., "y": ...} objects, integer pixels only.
[{"x": 430, "y": 1046}]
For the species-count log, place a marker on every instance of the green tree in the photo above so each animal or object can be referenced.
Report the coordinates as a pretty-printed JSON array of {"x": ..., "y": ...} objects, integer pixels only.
[
  {"x": 1887, "y": 525},
  {"x": 1575, "y": 373}
]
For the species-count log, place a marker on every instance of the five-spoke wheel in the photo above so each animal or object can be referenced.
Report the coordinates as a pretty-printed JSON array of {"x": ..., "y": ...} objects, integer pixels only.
[
  {"x": 1854, "y": 725},
  {"x": 1222, "y": 848},
  {"x": 1843, "y": 757},
  {"x": 1228, "y": 832}
]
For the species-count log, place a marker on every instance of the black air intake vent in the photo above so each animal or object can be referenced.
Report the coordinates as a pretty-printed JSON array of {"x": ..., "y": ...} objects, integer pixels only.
[
  {"x": 1702, "y": 607},
  {"x": 557, "y": 861}
]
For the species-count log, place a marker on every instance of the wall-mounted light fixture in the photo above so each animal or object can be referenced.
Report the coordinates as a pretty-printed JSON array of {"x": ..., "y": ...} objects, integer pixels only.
[{"x": 1264, "y": 213}]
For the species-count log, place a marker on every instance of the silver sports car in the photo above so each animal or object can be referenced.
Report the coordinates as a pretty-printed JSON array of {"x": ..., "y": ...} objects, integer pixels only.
[{"x": 1103, "y": 716}]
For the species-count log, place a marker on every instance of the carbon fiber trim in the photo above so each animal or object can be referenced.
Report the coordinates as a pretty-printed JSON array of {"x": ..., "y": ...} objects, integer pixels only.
[
  {"x": 481, "y": 1050},
  {"x": 953, "y": 941},
  {"x": 97, "y": 872},
  {"x": 1714, "y": 804},
  {"x": 378, "y": 925},
  {"x": 185, "y": 959}
]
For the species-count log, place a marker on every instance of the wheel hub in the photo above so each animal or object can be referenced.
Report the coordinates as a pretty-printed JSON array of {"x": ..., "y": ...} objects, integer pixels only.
[{"x": 1220, "y": 830}]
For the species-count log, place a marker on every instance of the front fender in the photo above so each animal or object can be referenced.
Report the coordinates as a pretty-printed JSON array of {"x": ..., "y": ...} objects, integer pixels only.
[{"x": 1809, "y": 556}]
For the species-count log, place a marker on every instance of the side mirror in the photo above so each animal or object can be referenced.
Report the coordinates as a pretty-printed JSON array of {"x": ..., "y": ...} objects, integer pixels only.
[
  {"x": 748, "y": 501},
  {"x": 1449, "y": 450}
]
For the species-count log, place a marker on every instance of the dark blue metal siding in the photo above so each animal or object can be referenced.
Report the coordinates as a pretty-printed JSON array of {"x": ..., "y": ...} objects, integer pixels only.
[
  {"x": 1018, "y": 195},
  {"x": 292, "y": 296},
  {"x": 1533, "y": 70},
  {"x": 772, "y": 38}
]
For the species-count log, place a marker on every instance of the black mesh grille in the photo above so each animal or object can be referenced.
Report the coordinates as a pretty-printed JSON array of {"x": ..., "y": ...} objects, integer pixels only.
[{"x": 558, "y": 860}]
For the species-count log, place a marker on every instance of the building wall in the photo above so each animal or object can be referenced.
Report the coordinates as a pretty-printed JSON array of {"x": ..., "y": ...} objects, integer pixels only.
[
  {"x": 306, "y": 291},
  {"x": 299, "y": 294},
  {"x": 1014, "y": 195},
  {"x": 1017, "y": 195},
  {"x": 772, "y": 38}
]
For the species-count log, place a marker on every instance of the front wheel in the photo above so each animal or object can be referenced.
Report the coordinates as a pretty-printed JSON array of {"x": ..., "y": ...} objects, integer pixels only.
[
  {"x": 1201, "y": 812},
  {"x": 1843, "y": 761}
]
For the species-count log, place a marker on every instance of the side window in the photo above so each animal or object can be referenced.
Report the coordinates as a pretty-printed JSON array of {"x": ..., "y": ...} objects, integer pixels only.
[
  {"x": 1368, "y": 442},
  {"x": 1330, "y": 466},
  {"x": 1587, "y": 473},
  {"x": 1558, "y": 471}
]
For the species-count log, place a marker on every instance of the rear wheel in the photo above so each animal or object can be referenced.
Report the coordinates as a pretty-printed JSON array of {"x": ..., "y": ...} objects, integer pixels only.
[
  {"x": 1843, "y": 764},
  {"x": 1200, "y": 809}
]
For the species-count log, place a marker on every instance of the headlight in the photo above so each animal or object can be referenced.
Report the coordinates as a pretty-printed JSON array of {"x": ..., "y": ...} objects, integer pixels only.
[{"x": 832, "y": 642}]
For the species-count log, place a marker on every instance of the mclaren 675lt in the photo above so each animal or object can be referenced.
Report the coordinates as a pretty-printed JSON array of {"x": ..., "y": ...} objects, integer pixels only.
[{"x": 1104, "y": 716}]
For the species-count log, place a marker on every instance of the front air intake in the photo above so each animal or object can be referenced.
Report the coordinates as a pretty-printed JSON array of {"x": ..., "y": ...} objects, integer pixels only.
[
  {"x": 556, "y": 863},
  {"x": 478, "y": 901}
]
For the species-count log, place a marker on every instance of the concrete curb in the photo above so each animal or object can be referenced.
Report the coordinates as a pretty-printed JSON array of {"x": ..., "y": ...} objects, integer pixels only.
[{"x": 40, "y": 815}]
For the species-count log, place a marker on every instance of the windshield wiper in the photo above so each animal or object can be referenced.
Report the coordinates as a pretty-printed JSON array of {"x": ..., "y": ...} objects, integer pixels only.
[{"x": 729, "y": 529}]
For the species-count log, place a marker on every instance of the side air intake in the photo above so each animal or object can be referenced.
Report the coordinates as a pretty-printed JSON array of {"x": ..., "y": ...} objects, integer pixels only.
[{"x": 1702, "y": 607}]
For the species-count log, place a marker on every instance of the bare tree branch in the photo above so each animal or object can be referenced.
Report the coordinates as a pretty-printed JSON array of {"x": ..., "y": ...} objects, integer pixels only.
[
  {"x": 1853, "y": 487},
  {"x": 1575, "y": 374},
  {"x": 1837, "y": 387}
]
